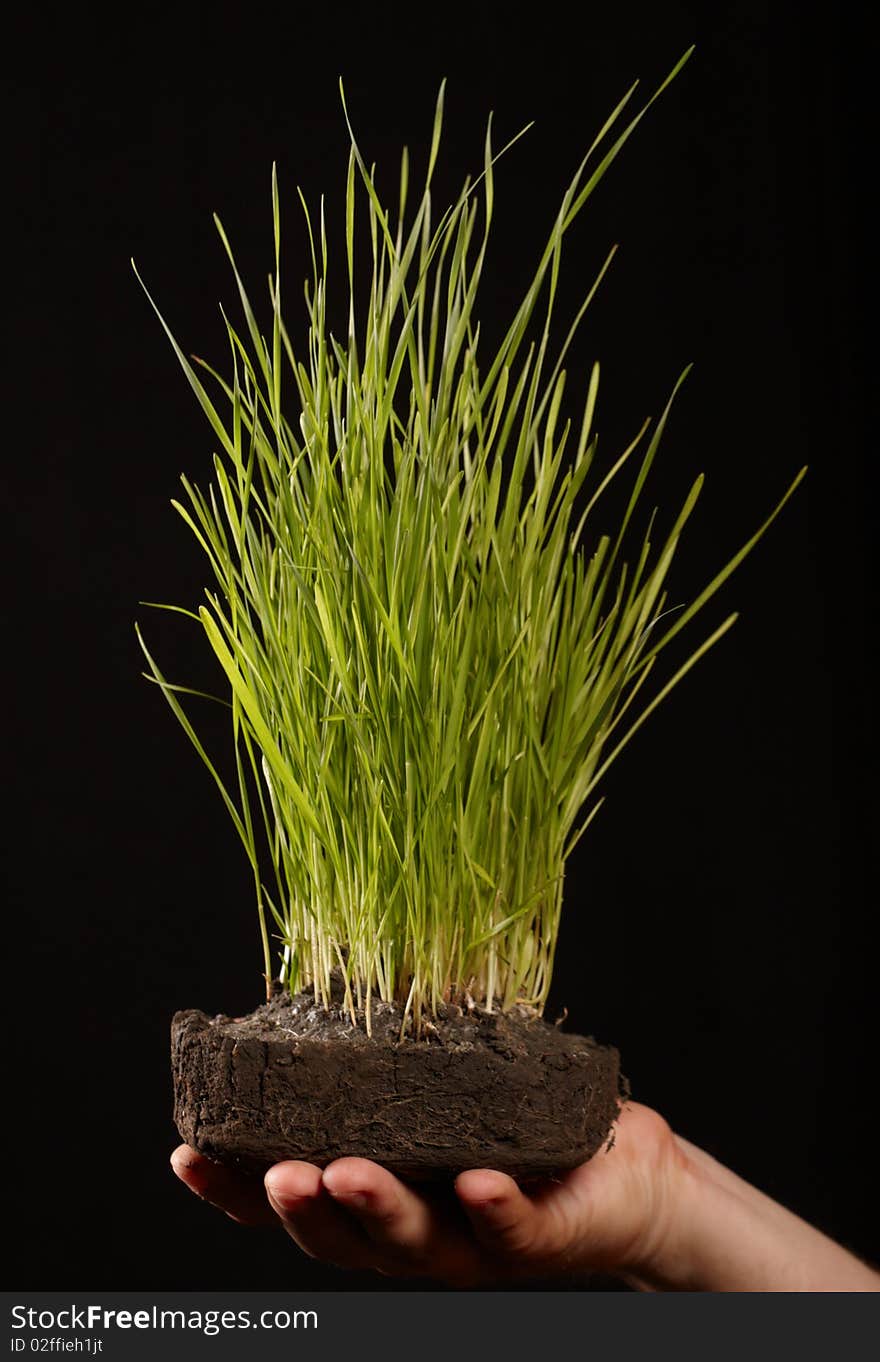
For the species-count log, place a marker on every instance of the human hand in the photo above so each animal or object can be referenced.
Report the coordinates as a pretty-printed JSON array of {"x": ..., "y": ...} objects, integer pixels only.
[{"x": 613, "y": 1214}]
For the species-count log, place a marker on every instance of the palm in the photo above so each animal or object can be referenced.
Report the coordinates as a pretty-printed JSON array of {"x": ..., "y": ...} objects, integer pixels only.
[{"x": 601, "y": 1216}]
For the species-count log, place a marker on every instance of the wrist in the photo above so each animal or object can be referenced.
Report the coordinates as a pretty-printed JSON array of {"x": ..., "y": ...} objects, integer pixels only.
[{"x": 716, "y": 1232}]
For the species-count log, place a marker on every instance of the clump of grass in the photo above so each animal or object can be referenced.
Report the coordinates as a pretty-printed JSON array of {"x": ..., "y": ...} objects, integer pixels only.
[{"x": 429, "y": 667}]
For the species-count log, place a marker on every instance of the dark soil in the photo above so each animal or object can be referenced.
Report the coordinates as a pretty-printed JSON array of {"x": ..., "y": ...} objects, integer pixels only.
[{"x": 478, "y": 1090}]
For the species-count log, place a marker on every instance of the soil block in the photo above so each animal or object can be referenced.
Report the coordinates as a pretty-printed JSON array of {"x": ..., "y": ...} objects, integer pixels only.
[{"x": 478, "y": 1090}]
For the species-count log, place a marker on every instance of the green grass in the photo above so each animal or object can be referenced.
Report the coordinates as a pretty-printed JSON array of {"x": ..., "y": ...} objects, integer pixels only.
[{"x": 429, "y": 663}]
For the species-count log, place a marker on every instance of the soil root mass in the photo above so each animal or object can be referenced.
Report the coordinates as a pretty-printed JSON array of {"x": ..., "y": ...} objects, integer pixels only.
[{"x": 479, "y": 1090}]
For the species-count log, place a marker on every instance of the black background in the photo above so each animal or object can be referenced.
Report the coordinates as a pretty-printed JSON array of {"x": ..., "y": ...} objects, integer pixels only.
[{"x": 717, "y": 918}]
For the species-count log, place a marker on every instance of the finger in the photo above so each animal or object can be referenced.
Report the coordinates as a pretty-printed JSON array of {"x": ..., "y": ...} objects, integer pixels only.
[
  {"x": 241, "y": 1197},
  {"x": 412, "y": 1231},
  {"x": 393, "y": 1215},
  {"x": 309, "y": 1215},
  {"x": 503, "y": 1218}
]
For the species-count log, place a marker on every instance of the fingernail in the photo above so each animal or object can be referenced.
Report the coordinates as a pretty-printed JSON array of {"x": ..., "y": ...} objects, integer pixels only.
[
  {"x": 357, "y": 1200},
  {"x": 288, "y": 1202}
]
